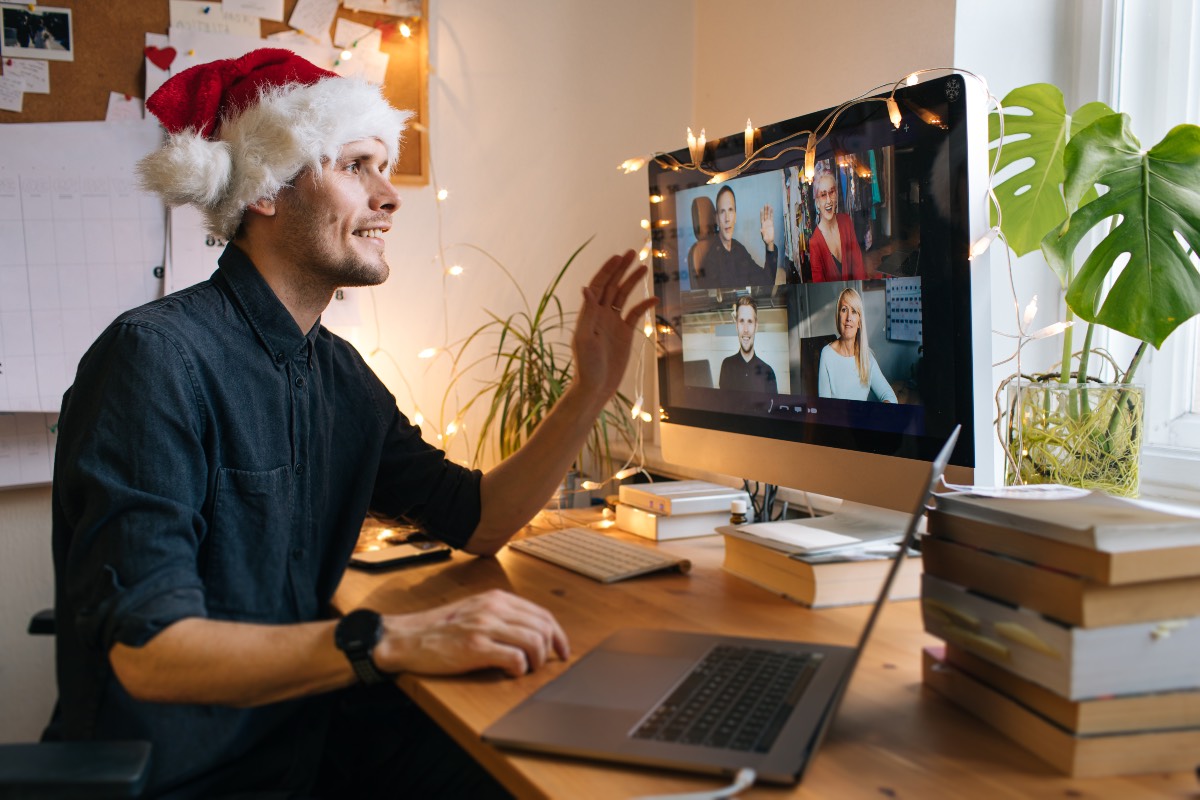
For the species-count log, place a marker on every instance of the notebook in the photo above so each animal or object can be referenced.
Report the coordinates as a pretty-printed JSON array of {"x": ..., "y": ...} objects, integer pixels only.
[{"x": 630, "y": 699}]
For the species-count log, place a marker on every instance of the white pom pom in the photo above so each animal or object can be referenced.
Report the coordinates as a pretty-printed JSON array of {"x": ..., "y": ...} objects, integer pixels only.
[{"x": 188, "y": 169}]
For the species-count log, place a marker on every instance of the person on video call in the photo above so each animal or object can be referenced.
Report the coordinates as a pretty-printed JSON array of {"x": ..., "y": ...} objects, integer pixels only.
[
  {"x": 833, "y": 249},
  {"x": 848, "y": 370},
  {"x": 744, "y": 371},
  {"x": 219, "y": 449},
  {"x": 728, "y": 264}
]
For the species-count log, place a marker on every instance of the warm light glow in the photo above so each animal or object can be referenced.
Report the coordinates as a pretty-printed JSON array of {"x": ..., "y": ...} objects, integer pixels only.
[
  {"x": 656, "y": 198},
  {"x": 628, "y": 472},
  {"x": 893, "y": 111},
  {"x": 721, "y": 177},
  {"x": 644, "y": 254},
  {"x": 636, "y": 411},
  {"x": 645, "y": 224},
  {"x": 911, "y": 80},
  {"x": 631, "y": 165},
  {"x": 405, "y": 30},
  {"x": 452, "y": 428},
  {"x": 418, "y": 419},
  {"x": 695, "y": 146},
  {"x": 442, "y": 194},
  {"x": 1030, "y": 312},
  {"x": 428, "y": 352},
  {"x": 347, "y": 55},
  {"x": 648, "y": 330},
  {"x": 646, "y": 416},
  {"x": 749, "y": 138},
  {"x": 455, "y": 270},
  {"x": 588, "y": 486},
  {"x": 605, "y": 524},
  {"x": 984, "y": 242},
  {"x": 810, "y": 157}
]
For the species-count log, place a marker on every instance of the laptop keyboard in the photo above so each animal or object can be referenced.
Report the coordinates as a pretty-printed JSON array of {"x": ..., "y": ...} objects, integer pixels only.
[
  {"x": 597, "y": 556},
  {"x": 736, "y": 698}
]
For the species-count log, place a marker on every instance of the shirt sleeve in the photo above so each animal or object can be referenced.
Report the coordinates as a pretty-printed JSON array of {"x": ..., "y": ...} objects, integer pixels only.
[
  {"x": 130, "y": 480},
  {"x": 824, "y": 384},
  {"x": 416, "y": 481}
]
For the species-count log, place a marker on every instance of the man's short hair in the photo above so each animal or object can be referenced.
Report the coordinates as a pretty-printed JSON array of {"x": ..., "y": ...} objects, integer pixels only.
[
  {"x": 746, "y": 300},
  {"x": 723, "y": 190}
]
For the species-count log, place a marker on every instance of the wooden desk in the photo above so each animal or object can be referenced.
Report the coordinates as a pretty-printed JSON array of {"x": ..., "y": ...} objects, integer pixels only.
[{"x": 892, "y": 737}]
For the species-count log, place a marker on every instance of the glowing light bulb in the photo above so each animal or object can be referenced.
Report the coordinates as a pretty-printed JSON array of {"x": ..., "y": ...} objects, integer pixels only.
[
  {"x": 636, "y": 411},
  {"x": 893, "y": 112},
  {"x": 631, "y": 165},
  {"x": 589, "y": 485},
  {"x": 648, "y": 330},
  {"x": 646, "y": 416},
  {"x": 347, "y": 55},
  {"x": 405, "y": 30},
  {"x": 452, "y": 428},
  {"x": 626, "y": 473},
  {"x": 810, "y": 157},
  {"x": 455, "y": 270},
  {"x": 428, "y": 352},
  {"x": 442, "y": 194},
  {"x": 695, "y": 146},
  {"x": 644, "y": 254},
  {"x": 911, "y": 80},
  {"x": 981, "y": 244},
  {"x": 749, "y": 138},
  {"x": 645, "y": 224},
  {"x": 418, "y": 419},
  {"x": 656, "y": 198}
]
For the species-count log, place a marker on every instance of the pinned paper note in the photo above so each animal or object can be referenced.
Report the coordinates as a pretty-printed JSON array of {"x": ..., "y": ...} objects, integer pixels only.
[
  {"x": 208, "y": 17},
  {"x": 263, "y": 9},
  {"x": 12, "y": 94},
  {"x": 395, "y": 8},
  {"x": 123, "y": 107},
  {"x": 313, "y": 17},
  {"x": 356, "y": 35},
  {"x": 370, "y": 65},
  {"x": 34, "y": 76}
]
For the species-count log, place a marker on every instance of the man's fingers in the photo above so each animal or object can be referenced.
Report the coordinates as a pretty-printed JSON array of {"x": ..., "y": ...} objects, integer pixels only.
[
  {"x": 641, "y": 308},
  {"x": 603, "y": 283},
  {"x": 626, "y": 286}
]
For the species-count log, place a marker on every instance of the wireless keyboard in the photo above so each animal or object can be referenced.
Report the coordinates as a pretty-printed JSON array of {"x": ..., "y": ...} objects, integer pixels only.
[{"x": 597, "y": 556}]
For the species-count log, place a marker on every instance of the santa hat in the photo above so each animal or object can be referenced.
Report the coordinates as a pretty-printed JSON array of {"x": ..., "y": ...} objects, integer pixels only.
[{"x": 241, "y": 129}]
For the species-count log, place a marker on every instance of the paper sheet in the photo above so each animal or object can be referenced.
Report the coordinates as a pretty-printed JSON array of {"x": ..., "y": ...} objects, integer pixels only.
[
  {"x": 396, "y": 8},
  {"x": 348, "y": 33},
  {"x": 213, "y": 18},
  {"x": 34, "y": 75},
  {"x": 27, "y": 448},
  {"x": 12, "y": 94},
  {"x": 264, "y": 9},
  {"x": 313, "y": 16},
  {"x": 123, "y": 108}
]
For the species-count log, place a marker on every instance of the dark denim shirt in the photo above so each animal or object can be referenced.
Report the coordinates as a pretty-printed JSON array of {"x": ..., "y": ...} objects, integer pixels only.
[{"x": 214, "y": 461}]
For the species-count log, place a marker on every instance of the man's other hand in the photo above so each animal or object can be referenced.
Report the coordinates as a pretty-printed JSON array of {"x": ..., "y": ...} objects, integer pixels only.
[{"x": 604, "y": 330}]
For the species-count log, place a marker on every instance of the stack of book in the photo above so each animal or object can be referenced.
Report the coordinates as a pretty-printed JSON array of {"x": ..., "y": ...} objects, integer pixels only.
[
  {"x": 850, "y": 576},
  {"x": 1070, "y": 625},
  {"x": 675, "y": 509}
]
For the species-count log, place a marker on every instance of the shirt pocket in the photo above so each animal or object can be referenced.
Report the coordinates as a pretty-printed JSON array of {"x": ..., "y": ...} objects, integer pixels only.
[{"x": 245, "y": 567}]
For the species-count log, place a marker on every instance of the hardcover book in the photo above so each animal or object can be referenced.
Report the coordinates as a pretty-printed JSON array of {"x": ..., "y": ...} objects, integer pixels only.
[
  {"x": 661, "y": 527},
  {"x": 1080, "y": 756}
]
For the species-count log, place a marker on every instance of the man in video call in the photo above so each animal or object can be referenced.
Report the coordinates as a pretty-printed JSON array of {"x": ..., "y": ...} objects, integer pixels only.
[
  {"x": 744, "y": 371},
  {"x": 219, "y": 449},
  {"x": 728, "y": 264}
]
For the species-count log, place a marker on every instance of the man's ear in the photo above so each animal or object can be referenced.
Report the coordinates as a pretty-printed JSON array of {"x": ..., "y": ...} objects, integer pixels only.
[{"x": 264, "y": 206}]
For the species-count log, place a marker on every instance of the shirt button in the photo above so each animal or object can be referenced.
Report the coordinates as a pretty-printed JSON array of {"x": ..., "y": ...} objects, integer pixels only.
[
  {"x": 280, "y": 358},
  {"x": 300, "y": 382},
  {"x": 299, "y": 469}
]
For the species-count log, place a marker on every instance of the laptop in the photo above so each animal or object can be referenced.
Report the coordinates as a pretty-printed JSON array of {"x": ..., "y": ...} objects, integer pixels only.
[{"x": 631, "y": 699}]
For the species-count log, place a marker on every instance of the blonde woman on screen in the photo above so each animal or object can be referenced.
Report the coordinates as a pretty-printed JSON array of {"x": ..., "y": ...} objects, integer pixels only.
[{"x": 848, "y": 370}]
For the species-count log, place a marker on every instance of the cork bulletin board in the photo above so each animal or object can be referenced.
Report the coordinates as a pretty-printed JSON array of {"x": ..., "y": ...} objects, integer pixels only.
[{"x": 109, "y": 37}]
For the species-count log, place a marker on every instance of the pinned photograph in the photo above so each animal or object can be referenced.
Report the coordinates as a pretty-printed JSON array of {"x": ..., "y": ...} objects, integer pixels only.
[{"x": 37, "y": 32}]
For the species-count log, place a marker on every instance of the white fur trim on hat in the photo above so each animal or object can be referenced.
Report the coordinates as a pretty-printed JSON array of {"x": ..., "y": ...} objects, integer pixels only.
[{"x": 259, "y": 151}]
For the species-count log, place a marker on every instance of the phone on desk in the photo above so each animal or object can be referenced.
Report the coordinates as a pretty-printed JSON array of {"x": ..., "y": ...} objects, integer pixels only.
[{"x": 416, "y": 548}]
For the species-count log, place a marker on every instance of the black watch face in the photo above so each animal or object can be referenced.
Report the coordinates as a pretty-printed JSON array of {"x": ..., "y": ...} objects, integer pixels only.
[{"x": 358, "y": 631}]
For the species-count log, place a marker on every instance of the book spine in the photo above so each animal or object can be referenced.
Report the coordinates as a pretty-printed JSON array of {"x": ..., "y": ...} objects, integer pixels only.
[{"x": 660, "y": 528}]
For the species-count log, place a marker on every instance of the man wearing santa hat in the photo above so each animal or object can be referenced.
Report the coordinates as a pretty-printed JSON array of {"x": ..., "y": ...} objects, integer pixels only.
[{"x": 219, "y": 449}]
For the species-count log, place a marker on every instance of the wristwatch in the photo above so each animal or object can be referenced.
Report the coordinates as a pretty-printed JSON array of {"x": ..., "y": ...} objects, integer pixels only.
[{"x": 356, "y": 635}]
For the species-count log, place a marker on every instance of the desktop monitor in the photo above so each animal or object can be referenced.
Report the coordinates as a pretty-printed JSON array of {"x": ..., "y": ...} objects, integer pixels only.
[{"x": 764, "y": 278}]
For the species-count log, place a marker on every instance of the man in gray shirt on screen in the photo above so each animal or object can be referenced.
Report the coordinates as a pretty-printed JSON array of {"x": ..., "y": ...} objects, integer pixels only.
[{"x": 219, "y": 449}]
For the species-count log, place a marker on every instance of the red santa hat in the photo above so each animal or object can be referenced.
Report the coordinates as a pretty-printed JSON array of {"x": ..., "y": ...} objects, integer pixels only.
[{"x": 241, "y": 129}]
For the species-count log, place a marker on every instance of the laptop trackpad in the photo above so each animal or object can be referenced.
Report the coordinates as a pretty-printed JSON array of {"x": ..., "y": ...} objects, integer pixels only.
[{"x": 625, "y": 681}]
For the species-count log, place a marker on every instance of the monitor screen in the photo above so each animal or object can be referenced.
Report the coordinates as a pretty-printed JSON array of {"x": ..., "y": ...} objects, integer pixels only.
[{"x": 831, "y": 322}]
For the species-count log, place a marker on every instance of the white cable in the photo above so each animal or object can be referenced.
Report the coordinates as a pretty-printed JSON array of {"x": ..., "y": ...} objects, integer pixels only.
[{"x": 742, "y": 781}]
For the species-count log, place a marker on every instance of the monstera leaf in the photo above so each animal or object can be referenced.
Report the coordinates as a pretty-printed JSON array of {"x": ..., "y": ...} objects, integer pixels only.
[
  {"x": 1030, "y": 197},
  {"x": 1151, "y": 197}
]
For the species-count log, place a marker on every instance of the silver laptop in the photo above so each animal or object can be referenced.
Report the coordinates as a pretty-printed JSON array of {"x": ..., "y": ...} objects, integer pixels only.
[{"x": 699, "y": 702}]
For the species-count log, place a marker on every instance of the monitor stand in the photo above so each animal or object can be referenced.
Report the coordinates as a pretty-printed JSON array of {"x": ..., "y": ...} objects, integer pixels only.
[{"x": 852, "y": 525}]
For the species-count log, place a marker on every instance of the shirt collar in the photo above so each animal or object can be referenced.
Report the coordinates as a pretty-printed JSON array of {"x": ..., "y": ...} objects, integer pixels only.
[{"x": 274, "y": 326}]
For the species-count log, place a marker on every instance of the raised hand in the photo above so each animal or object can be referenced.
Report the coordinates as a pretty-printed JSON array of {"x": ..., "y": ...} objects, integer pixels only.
[
  {"x": 604, "y": 330},
  {"x": 768, "y": 226}
]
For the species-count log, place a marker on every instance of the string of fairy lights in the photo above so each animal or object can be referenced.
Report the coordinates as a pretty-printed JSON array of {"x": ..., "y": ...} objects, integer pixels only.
[{"x": 756, "y": 152}]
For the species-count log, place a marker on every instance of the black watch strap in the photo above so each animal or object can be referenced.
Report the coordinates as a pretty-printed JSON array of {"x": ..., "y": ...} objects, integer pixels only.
[{"x": 356, "y": 635}]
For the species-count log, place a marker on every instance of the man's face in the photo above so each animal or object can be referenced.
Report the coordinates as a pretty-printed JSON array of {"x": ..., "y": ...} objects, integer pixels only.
[
  {"x": 747, "y": 325},
  {"x": 726, "y": 218},
  {"x": 825, "y": 192},
  {"x": 333, "y": 224}
]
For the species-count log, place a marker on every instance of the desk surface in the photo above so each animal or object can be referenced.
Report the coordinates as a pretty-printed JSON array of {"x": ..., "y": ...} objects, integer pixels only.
[{"x": 892, "y": 737}]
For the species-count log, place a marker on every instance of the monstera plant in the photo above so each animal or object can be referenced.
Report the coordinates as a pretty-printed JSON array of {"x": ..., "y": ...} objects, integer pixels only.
[{"x": 1120, "y": 227}]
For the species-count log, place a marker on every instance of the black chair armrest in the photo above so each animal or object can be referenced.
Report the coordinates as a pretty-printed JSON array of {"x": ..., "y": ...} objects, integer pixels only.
[
  {"x": 74, "y": 769},
  {"x": 42, "y": 623}
]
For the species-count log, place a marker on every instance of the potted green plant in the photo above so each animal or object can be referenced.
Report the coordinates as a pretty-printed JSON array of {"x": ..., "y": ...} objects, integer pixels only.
[
  {"x": 529, "y": 353},
  {"x": 1067, "y": 176}
]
